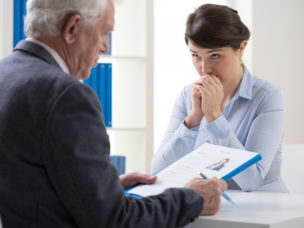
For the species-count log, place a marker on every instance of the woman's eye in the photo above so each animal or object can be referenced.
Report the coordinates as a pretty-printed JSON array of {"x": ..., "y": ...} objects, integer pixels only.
[
  {"x": 196, "y": 56},
  {"x": 215, "y": 56}
]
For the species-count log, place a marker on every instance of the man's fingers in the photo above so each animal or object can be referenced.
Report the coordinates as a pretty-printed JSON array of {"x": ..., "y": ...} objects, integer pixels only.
[
  {"x": 223, "y": 185},
  {"x": 213, "y": 202},
  {"x": 211, "y": 205},
  {"x": 150, "y": 179},
  {"x": 144, "y": 178}
]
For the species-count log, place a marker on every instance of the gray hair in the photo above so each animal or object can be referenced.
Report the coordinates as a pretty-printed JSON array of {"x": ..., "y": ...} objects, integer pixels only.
[{"x": 43, "y": 17}]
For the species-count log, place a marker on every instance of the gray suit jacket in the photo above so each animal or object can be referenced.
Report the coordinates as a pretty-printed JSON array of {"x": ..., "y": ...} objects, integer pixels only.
[{"x": 54, "y": 150}]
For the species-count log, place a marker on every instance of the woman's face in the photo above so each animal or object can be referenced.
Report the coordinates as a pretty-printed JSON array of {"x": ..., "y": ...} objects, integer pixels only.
[{"x": 223, "y": 62}]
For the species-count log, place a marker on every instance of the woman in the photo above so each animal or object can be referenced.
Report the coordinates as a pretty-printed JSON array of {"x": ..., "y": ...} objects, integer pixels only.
[{"x": 227, "y": 106}]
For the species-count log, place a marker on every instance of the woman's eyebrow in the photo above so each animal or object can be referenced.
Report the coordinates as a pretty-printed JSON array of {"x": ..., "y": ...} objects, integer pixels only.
[
  {"x": 213, "y": 50},
  {"x": 192, "y": 50}
]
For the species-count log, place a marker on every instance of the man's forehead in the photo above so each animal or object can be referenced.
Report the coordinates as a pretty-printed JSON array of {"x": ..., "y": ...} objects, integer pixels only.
[{"x": 108, "y": 18}]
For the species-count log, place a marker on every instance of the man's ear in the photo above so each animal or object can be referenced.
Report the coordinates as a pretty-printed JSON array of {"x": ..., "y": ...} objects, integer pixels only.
[{"x": 71, "y": 28}]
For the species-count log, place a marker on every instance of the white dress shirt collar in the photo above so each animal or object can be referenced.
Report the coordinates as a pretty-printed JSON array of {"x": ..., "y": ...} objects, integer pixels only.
[{"x": 53, "y": 53}]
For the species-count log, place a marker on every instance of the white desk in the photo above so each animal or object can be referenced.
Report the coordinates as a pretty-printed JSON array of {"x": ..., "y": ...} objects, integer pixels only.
[{"x": 256, "y": 210}]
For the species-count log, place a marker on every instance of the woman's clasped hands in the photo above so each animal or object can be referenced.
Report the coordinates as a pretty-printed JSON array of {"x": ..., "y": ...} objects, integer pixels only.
[{"x": 207, "y": 100}]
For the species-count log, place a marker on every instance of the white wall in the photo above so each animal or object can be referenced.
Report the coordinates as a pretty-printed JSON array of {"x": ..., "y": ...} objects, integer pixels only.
[
  {"x": 278, "y": 55},
  {"x": 292, "y": 167},
  {"x": 244, "y": 8},
  {"x": 172, "y": 61},
  {"x": 6, "y": 27}
]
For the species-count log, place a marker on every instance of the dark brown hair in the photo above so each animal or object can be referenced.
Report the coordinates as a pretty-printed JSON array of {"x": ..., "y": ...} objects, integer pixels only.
[{"x": 214, "y": 26}]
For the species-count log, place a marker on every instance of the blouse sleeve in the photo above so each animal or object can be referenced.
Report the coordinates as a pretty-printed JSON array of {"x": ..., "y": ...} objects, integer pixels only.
[{"x": 178, "y": 140}]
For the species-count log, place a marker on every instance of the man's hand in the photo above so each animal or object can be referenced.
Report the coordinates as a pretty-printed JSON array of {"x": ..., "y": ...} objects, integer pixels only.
[
  {"x": 131, "y": 179},
  {"x": 211, "y": 190}
]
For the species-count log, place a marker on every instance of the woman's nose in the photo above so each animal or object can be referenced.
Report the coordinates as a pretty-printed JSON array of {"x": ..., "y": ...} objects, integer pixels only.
[{"x": 206, "y": 67}]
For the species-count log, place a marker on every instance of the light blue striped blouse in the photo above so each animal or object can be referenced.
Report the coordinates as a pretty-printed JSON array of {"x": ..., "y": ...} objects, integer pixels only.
[{"x": 253, "y": 120}]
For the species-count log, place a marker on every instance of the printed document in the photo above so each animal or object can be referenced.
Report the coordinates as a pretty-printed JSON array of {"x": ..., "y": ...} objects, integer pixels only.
[{"x": 211, "y": 160}]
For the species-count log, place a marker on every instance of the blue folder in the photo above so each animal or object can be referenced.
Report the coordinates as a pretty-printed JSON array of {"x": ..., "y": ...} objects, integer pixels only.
[
  {"x": 108, "y": 97},
  {"x": 19, "y": 13},
  {"x": 119, "y": 162},
  {"x": 100, "y": 81}
]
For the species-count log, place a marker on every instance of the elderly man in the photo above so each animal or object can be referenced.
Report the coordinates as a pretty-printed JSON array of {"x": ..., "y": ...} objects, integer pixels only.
[{"x": 54, "y": 169}]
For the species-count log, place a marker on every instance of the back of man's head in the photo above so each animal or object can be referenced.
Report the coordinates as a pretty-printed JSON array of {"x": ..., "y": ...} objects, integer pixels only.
[{"x": 44, "y": 17}]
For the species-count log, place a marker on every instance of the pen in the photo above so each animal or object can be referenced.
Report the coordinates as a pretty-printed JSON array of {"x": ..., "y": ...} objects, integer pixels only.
[{"x": 223, "y": 193}]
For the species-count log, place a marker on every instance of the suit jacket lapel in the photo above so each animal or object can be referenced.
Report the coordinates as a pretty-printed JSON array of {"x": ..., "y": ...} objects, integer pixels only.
[{"x": 37, "y": 51}]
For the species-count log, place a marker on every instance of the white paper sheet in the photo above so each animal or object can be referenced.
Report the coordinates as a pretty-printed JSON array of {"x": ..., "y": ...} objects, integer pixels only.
[{"x": 211, "y": 160}]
